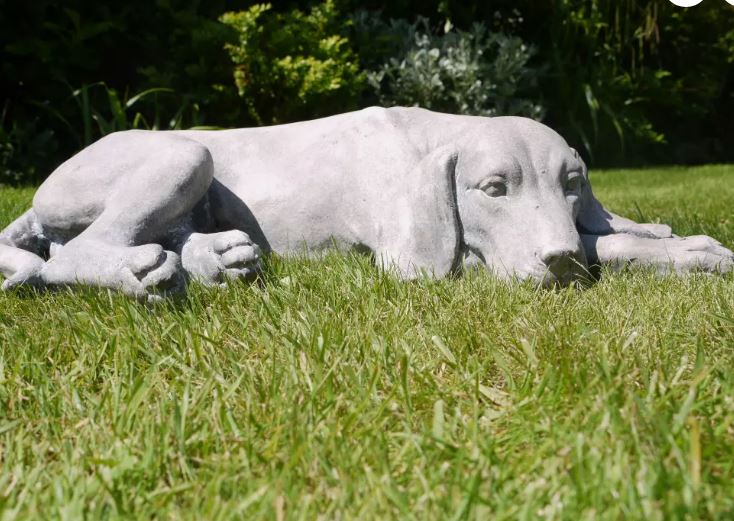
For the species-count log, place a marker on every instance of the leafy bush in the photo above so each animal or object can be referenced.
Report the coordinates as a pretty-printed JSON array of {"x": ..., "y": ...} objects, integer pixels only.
[
  {"x": 292, "y": 65},
  {"x": 600, "y": 84},
  {"x": 50, "y": 49},
  {"x": 629, "y": 81},
  {"x": 626, "y": 81},
  {"x": 467, "y": 72}
]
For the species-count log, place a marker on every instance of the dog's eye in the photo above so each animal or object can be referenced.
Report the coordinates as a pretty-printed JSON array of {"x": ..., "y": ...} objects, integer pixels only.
[
  {"x": 574, "y": 183},
  {"x": 494, "y": 188}
]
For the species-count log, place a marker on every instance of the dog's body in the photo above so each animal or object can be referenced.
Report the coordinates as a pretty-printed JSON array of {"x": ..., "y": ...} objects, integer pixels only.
[{"x": 425, "y": 192}]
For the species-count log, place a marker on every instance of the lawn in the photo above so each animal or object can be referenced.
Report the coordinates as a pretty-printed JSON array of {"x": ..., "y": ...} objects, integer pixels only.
[{"x": 332, "y": 391}]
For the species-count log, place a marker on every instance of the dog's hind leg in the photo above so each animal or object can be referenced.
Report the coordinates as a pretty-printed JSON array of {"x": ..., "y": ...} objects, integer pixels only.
[
  {"x": 116, "y": 203},
  {"x": 22, "y": 247}
]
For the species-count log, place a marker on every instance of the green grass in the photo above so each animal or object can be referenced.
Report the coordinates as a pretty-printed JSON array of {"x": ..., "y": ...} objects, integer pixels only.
[{"x": 333, "y": 391}]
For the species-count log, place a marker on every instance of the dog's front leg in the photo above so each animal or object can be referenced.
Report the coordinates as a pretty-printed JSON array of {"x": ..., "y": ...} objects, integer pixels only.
[
  {"x": 617, "y": 241},
  {"x": 670, "y": 254}
]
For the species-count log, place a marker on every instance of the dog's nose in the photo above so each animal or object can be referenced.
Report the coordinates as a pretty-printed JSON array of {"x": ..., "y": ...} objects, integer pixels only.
[{"x": 557, "y": 257}]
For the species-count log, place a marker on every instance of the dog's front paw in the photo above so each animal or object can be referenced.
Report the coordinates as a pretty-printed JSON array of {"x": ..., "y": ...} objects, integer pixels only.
[
  {"x": 685, "y": 254},
  {"x": 213, "y": 258}
]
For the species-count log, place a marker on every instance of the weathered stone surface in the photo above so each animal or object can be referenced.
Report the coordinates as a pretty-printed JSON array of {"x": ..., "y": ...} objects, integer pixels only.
[{"x": 426, "y": 193}]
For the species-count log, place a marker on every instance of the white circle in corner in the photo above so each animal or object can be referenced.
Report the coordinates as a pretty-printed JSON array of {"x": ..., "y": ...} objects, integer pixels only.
[
  {"x": 689, "y": 3},
  {"x": 730, "y": 2}
]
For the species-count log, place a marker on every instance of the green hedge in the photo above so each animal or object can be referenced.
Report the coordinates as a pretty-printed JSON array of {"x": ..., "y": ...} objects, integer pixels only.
[{"x": 625, "y": 81}]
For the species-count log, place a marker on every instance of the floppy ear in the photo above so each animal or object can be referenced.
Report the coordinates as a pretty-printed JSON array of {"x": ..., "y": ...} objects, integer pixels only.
[
  {"x": 594, "y": 219},
  {"x": 427, "y": 237}
]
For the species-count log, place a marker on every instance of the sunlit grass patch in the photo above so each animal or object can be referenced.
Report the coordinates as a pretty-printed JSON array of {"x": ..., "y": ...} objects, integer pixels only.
[{"x": 330, "y": 389}]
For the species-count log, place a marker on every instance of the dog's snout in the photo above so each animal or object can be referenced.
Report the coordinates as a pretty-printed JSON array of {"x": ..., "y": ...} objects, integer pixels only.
[
  {"x": 562, "y": 265},
  {"x": 555, "y": 256}
]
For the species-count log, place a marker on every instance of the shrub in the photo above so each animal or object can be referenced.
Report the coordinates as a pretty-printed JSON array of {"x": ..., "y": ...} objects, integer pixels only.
[
  {"x": 50, "y": 48},
  {"x": 467, "y": 72},
  {"x": 292, "y": 65}
]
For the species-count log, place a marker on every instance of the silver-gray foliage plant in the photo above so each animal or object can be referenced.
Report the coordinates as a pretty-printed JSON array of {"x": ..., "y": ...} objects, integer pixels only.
[{"x": 475, "y": 72}]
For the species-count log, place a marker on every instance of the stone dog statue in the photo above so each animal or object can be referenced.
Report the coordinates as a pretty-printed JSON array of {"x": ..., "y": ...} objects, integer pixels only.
[{"x": 425, "y": 192}]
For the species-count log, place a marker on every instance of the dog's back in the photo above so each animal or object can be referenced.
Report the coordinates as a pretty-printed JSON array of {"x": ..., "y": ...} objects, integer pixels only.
[{"x": 330, "y": 173}]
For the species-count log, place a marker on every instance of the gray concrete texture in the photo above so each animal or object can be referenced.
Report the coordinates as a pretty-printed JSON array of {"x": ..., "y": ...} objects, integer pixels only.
[{"x": 426, "y": 193}]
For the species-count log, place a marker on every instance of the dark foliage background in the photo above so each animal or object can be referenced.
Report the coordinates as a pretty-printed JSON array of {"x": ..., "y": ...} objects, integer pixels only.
[{"x": 625, "y": 81}]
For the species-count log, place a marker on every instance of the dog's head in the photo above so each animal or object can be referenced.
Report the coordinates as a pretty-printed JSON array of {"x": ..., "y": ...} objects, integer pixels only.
[{"x": 519, "y": 190}]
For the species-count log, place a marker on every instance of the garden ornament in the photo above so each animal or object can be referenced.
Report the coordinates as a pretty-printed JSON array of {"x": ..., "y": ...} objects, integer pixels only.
[{"x": 424, "y": 192}]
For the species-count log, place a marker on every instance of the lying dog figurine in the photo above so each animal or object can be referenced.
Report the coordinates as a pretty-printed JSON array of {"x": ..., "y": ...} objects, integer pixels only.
[{"x": 424, "y": 192}]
